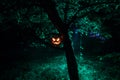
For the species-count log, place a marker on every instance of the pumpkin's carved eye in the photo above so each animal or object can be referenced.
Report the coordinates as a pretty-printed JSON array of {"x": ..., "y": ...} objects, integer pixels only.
[
  {"x": 58, "y": 39},
  {"x": 53, "y": 39}
]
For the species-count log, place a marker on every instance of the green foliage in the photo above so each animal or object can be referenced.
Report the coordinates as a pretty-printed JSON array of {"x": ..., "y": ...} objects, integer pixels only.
[
  {"x": 85, "y": 26},
  {"x": 89, "y": 22},
  {"x": 89, "y": 17},
  {"x": 67, "y": 8},
  {"x": 32, "y": 21}
]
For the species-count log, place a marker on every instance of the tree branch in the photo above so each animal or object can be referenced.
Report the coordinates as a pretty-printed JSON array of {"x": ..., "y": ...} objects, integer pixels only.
[
  {"x": 88, "y": 6},
  {"x": 54, "y": 17}
]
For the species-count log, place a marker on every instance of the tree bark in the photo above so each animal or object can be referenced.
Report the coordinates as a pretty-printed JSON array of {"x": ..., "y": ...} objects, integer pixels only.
[
  {"x": 63, "y": 29},
  {"x": 71, "y": 61}
]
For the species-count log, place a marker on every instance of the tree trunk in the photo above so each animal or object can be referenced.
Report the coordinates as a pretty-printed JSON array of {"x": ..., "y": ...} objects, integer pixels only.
[
  {"x": 71, "y": 61},
  {"x": 63, "y": 29}
]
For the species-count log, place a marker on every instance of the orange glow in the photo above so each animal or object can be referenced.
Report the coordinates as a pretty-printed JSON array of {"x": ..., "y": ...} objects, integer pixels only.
[{"x": 56, "y": 40}]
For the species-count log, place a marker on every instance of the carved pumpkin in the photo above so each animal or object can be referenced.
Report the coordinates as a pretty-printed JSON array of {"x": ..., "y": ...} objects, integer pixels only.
[{"x": 56, "y": 40}]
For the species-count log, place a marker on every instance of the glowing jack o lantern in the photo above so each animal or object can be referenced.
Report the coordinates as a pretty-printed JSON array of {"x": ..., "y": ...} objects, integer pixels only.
[{"x": 56, "y": 40}]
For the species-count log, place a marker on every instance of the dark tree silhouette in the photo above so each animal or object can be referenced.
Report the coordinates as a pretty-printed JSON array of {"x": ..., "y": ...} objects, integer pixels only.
[{"x": 63, "y": 29}]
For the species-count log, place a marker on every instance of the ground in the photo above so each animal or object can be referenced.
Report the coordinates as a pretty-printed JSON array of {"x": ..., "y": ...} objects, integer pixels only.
[{"x": 50, "y": 64}]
